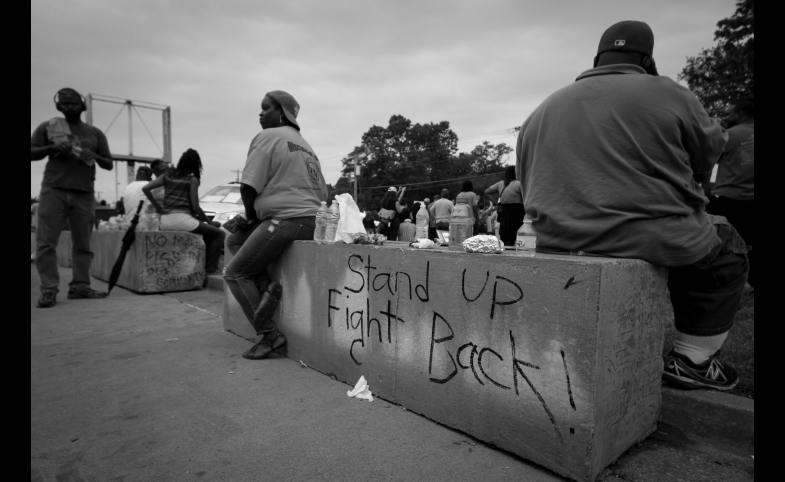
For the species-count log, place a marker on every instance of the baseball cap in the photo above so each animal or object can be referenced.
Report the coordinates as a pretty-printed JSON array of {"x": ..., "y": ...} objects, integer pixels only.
[
  {"x": 393, "y": 189},
  {"x": 628, "y": 36},
  {"x": 290, "y": 106},
  {"x": 426, "y": 200}
]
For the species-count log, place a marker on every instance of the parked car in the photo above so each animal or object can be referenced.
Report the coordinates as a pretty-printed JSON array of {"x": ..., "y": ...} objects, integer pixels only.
[{"x": 222, "y": 203}]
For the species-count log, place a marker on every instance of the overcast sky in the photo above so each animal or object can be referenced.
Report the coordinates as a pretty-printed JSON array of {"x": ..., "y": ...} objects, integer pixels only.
[{"x": 481, "y": 65}]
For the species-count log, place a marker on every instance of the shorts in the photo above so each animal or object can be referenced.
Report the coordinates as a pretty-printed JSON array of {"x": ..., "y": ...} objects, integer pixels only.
[{"x": 178, "y": 222}]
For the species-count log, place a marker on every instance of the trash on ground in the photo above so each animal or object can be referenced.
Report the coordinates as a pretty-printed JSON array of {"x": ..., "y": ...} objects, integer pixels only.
[
  {"x": 303, "y": 364},
  {"x": 172, "y": 339},
  {"x": 361, "y": 390}
]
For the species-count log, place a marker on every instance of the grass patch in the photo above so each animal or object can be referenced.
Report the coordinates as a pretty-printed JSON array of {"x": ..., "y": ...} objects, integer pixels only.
[{"x": 739, "y": 349}]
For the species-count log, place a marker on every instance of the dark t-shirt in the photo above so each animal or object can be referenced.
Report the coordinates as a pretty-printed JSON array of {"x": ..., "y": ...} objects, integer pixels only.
[
  {"x": 65, "y": 171},
  {"x": 736, "y": 167}
]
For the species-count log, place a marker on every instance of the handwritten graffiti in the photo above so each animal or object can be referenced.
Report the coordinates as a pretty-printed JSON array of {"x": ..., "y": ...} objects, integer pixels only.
[
  {"x": 349, "y": 307},
  {"x": 172, "y": 260},
  {"x": 191, "y": 279}
]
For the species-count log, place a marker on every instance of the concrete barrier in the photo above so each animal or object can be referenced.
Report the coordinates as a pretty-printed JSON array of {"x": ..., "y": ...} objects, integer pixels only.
[
  {"x": 557, "y": 359},
  {"x": 158, "y": 261}
]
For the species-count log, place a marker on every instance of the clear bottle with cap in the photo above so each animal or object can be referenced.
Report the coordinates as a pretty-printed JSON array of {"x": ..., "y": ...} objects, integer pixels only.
[
  {"x": 526, "y": 240},
  {"x": 321, "y": 223},
  {"x": 333, "y": 217},
  {"x": 423, "y": 220}
]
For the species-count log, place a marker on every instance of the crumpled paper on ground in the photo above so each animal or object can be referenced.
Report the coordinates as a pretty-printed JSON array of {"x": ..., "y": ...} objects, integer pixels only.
[
  {"x": 423, "y": 243},
  {"x": 361, "y": 390}
]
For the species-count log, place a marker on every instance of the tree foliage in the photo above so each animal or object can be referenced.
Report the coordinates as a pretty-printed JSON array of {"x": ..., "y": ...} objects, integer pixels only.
[
  {"x": 725, "y": 72},
  {"x": 404, "y": 153}
]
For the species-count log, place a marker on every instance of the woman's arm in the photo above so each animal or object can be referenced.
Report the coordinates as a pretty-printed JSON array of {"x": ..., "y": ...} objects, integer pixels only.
[
  {"x": 398, "y": 207},
  {"x": 195, "y": 208},
  {"x": 147, "y": 190},
  {"x": 492, "y": 190},
  {"x": 248, "y": 195}
]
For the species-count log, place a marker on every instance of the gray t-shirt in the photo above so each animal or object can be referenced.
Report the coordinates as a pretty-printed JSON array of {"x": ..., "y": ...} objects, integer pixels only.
[
  {"x": 285, "y": 173},
  {"x": 65, "y": 171},
  {"x": 608, "y": 162}
]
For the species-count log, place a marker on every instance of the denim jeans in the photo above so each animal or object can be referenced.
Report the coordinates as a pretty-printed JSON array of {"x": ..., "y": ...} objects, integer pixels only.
[
  {"x": 55, "y": 207},
  {"x": 254, "y": 250},
  {"x": 706, "y": 295}
]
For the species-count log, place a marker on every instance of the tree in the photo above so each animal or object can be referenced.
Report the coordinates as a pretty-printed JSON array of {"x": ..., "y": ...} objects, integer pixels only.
[
  {"x": 400, "y": 153},
  {"x": 725, "y": 72}
]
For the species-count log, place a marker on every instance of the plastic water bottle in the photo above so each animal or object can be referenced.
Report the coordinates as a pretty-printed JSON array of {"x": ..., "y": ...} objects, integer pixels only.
[
  {"x": 333, "y": 217},
  {"x": 526, "y": 240},
  {"x": 321, "y": 223},
  {"x": 423, "y": 220},
  {"x": 461, "y": 224}
]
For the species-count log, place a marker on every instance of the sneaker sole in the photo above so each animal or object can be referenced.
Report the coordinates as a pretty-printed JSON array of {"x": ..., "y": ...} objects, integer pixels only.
[{"x": 691, "y": 384}]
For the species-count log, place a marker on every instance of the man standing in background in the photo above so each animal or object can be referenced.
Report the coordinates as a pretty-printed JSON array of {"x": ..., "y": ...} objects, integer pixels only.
[
  {"x": 73, "y": 149},
  {"x": 733, "y": 193}
]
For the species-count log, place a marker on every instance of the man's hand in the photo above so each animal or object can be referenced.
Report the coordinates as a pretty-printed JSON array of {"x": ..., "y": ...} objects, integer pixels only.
[
  {"x": 87, "y": 155},
  {"x": 60, "y": 148}
]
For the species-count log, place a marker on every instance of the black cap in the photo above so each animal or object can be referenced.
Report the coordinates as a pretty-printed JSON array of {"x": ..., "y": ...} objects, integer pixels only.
[{"x": 628, "y": 36}]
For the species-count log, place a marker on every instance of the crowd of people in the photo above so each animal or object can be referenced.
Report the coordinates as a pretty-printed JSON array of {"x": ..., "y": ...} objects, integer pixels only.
[{"x": 614, "y": 165}]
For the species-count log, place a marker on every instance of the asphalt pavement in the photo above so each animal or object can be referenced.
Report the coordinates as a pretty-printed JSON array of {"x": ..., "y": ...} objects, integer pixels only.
[{"x": 150, "y": 388}]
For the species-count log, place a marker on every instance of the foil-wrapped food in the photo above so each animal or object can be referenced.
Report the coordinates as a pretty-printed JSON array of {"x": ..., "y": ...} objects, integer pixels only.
[
  {"x": 483, "y": 244},
  {"x": 363, "y": 238}
]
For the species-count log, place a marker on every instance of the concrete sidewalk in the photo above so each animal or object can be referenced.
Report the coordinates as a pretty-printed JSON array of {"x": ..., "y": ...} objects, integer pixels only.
[{"x": 149, "y": 388}]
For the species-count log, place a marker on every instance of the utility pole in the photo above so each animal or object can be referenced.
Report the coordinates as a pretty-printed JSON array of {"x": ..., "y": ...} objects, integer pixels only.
[
  {"x": 238, "y": 174},
  {"x": 357, "y": 173},
  {"x": 355, "y": 179}
]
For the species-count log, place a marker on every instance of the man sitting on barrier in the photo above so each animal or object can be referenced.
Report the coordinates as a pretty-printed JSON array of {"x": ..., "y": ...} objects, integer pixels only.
[
  {"x": 282, "y": 188},
  {"x": 609, "y": 164}
]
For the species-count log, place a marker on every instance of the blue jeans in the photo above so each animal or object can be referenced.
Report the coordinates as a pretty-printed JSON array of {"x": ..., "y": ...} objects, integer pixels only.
[
  {"x": 55, "y": 207},
  {"x": 706, "y": 295},
  {"x": 254, "y": 250}
]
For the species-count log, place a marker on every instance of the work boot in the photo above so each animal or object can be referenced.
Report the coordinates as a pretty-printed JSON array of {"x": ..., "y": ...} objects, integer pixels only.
[
  {"x": 47, "y": 299},
  {"x": 86, "y": 294}
]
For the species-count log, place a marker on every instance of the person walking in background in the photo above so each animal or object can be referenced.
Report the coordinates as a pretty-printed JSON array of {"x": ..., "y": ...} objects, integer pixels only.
[
  {"x": 441, "y": 211},
  {"x": 510, "y": 209},
  {"x": 733, "y": 193},
  {"x": 133, "y": 193},
  {"x": 610, "y": 164},
  {"x": 467, "y": 196},
  {"x": 388, "y": 214},
  {"x": 282, "y": 188},
  {"x": 181, "y": 211},
  {"x": 73, "y": 149}
]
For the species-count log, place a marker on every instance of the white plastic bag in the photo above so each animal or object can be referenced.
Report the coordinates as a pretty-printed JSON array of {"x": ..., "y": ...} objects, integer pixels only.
[{"x": 351, "y": 219}]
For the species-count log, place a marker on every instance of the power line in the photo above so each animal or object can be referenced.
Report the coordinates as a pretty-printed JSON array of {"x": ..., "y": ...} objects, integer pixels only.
[{"x": 439, "y": 182}]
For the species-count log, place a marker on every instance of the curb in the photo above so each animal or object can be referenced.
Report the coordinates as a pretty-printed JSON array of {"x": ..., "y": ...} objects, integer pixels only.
[
  {"x": 716, "y": 416},
  {"x": 214, "y": 282}
]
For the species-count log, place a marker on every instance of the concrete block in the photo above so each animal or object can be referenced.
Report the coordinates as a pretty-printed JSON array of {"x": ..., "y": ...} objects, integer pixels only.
[
  {"x": 158, "y": 262},
  {"x": 554, "y": 358},
  {"x": 64, "y": 249},
  {"x": 720, "y": 417}
]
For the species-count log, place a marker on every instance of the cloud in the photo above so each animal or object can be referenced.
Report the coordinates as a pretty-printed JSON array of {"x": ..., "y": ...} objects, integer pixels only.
[{"x": 483, "y": 66}]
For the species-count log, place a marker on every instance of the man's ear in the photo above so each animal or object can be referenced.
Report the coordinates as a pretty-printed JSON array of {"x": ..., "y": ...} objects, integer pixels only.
[{"x": 651, "y": 67}]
